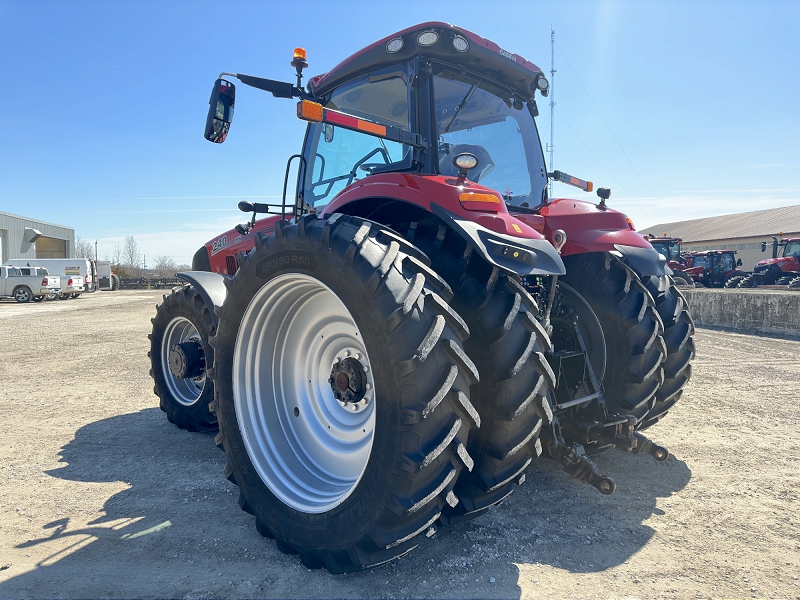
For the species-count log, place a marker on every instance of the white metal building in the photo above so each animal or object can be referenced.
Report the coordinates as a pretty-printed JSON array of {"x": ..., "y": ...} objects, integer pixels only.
[
  {"x": 21, "y": 237},
  {"x": 742, "y": 232}
]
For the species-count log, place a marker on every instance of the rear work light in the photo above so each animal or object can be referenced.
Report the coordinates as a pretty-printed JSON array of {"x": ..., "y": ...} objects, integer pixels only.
[
  {"x": 479, "y": 202},
  {"x": 427, "y": 38}
]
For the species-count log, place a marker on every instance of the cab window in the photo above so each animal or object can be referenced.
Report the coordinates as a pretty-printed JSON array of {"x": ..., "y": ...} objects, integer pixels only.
[{"x": 338, "y": 157}]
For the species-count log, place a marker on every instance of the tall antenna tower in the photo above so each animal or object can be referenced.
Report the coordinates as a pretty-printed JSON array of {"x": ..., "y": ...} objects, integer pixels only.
[{"x": 552, "y": 101}]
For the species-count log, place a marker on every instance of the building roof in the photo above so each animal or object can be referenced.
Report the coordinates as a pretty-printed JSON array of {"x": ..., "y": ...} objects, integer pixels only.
[{"x": 758, "y": 223}]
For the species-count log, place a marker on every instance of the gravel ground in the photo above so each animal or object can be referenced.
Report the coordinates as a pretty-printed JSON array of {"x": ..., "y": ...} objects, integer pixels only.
[{"x": 101, "y": 497}]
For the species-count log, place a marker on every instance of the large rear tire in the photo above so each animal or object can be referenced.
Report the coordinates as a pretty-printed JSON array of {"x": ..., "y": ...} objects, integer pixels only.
[
  {"x": 180, "y": 356},
  {"x": 678, "y": 331},
  {"x": 628, "y": 350},
  {"x": 747, "y": 282},
  {"x": 733, "y": 282},
  {"x": 507, "y": 344},
  {"x": 316, "y": 309}
]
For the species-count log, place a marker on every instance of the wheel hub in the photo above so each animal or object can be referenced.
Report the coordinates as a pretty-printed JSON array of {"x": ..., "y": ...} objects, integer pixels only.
[
  {"x": 348, "y": 380},
  {"x": 186, "y": 360}
]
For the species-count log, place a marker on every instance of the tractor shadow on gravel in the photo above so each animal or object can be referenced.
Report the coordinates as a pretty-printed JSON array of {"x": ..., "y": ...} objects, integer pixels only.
[{"x": 177, "y": 530}]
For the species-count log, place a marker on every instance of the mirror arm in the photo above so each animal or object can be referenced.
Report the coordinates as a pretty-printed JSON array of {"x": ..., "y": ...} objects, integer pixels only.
[{"x": 278, "y": 89}]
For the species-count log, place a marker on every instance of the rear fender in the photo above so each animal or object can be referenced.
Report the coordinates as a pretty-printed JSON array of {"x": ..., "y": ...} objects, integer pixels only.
[
  {"x": 593, "y": 229},
  {"x": 210, "y": 286},
  {"x": 497, "y": 236}
]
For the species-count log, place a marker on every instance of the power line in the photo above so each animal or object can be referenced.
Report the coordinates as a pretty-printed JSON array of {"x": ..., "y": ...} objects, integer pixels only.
[
  {"x": 598, "y": 160},
  {"x": 630, "y": 162}
]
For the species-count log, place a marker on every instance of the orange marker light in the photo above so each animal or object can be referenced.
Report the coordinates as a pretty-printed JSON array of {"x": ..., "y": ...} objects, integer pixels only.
[
  {"x": 480, "y": 202},
  {"x": 309, "y": 111},
  {"x": 300, "y": 53},
  {"x": 630, "y": 224}
]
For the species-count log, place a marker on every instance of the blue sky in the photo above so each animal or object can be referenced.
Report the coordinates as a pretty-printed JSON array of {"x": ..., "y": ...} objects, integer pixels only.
[{"x": 685, "y": 109}]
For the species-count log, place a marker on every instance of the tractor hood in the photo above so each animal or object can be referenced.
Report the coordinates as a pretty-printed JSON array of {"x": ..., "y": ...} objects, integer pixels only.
[
  {"x": 780, "y": 261},
  {"x": 439, "y": 41}
]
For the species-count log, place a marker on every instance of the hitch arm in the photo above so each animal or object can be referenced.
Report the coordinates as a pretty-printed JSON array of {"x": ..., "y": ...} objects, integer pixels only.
[{"x": 576, "y": 464}]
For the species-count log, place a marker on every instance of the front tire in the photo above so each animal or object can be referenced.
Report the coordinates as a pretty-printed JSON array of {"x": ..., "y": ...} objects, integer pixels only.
[
  {"x": 318, "y": 308},
  {"x": 180, "y": 356}
]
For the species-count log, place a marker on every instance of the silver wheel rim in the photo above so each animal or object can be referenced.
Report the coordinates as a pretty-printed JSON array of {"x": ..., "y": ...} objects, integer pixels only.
[
  {"x": 308, "y": 448},
  {"x": 185, "y": 391},
  {"x": 22, "y": 295}
]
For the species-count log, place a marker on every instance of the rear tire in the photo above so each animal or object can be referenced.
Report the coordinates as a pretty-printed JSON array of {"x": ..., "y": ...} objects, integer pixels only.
[
  {"x": 23, "y": 294},
  {"x": 345, "y": 489},
  {"x": 631, "y": 331},
  {"x": 678, "y": 331},
  {"x": 785, "y": 280},
  {"x": 733, "y": 282},
  {"x": 747, "y": 282},
  {"x": 507, "y": 344},
  {"x": 114, "y": 283},
  {"x": 183, "y": 318},
  {"x": 683, "y": 280}
]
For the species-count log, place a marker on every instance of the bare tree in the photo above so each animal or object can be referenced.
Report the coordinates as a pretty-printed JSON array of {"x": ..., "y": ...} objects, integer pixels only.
[
  {"x": 116, "y": 261},
  {"x": 131, "y": 259},
  {"x": 83, "y": 248},
  {"x": 165, "y": 266}
]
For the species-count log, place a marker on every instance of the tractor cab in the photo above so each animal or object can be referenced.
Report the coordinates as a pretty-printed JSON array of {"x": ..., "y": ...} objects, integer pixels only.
[
  {"x": 669, "y": 248},
  {"x": 713, "y": 268}
]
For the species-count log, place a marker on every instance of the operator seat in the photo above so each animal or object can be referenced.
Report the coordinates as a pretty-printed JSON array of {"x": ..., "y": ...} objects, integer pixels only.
[{"x": 446, "y": 166}]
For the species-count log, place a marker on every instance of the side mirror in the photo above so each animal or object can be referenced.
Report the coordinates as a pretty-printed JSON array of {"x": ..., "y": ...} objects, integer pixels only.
[
  {"x": 763, "y": 246},
  {"x": 739, "y": 263},
  {"x": 328, "y": 129},
  {"x": 220, "y": 111}
]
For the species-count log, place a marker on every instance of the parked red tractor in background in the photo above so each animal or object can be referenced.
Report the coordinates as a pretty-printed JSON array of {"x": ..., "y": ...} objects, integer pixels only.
[
  {"x": 679, "y": 262},
  {"x": 391, "y": 349},
  {"x": 715, "y": 268},
  {"x": 782, "y": 269}
]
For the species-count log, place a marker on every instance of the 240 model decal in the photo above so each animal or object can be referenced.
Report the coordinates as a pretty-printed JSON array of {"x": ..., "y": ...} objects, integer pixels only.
[{"x": 218, "y": 245}]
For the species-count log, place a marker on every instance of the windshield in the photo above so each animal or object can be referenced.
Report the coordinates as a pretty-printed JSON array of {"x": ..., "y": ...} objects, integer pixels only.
[
  {"x": 701, "y": 261},
  {"x": 477, "y": 116},
  {"x": 669, "y": 250},
  {"x": 725, "y": 263},
  {"x": 792, "y": 249}
]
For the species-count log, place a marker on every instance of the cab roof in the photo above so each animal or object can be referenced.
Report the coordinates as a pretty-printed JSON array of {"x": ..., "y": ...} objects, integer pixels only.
[{"x": 482, "y": 55}]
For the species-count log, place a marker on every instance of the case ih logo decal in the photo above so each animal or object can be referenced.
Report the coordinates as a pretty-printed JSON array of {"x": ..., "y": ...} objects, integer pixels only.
[
  {"x": 508, "y": 54},
  {"x": 219, "y": 244}
]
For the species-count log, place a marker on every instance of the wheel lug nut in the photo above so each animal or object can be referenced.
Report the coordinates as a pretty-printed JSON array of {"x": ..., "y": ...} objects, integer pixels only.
[{"x": 369, "y": 386}]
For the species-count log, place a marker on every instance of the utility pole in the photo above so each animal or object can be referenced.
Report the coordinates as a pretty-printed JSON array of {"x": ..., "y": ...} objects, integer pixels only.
[
  {"x": 552, "y": 101},
  {"x": 95, "y": 250}
]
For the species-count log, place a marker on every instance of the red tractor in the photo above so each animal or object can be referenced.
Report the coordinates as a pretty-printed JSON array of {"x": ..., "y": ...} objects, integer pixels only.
[
  {"x": 715, "y": 268},
  {"x": 391, "y": 350},
  {"x": 679, "y": 262},
  {"x": 782, "y": 269}
]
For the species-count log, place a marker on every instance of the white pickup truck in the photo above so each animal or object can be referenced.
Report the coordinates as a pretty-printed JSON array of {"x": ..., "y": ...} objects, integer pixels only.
[{"x": 27, "y": 283}]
